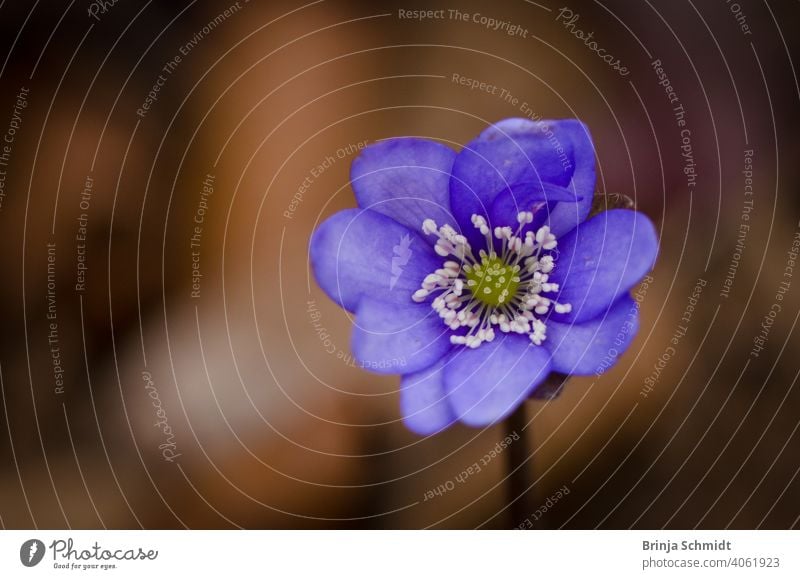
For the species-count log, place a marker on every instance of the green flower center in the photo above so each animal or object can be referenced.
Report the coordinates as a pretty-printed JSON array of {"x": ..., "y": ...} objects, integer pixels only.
[{"x": 492, "y": 281}]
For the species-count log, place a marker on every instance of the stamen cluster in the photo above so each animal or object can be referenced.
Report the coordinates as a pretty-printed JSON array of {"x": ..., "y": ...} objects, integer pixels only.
[{"x": 503, "y": 290}]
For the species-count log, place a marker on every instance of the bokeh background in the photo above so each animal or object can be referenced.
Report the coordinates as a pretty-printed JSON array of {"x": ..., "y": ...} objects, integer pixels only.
[{"x": 129, "y": 402}]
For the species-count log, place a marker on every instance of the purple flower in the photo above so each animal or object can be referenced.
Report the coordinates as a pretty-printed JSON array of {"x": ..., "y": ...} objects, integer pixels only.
[{"x": 476, "y": 274}]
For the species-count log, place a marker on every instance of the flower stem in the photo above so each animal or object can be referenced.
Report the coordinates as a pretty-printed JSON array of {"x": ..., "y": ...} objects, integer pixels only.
[{"x": 519, "y": 484}]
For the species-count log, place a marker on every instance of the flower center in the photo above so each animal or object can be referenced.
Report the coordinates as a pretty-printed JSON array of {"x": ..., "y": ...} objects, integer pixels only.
[
  {"x": 492, "y": 281},
  {"x": 505, "y": 290}
]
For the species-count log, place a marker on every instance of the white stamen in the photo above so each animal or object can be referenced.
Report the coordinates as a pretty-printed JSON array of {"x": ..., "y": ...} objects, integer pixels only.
[
  {"x": 525, "y": 217},
  {"x": 464, "y": 280},
  {"x": 420, "y": 295}
]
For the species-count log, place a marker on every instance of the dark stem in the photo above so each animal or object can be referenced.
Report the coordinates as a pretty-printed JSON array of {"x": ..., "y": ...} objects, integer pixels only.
[{"x": 519, "y": 484}]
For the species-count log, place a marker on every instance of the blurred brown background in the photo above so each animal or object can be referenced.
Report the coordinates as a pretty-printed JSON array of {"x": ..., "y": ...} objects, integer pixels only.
[{"x": 226, "y": 409}]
